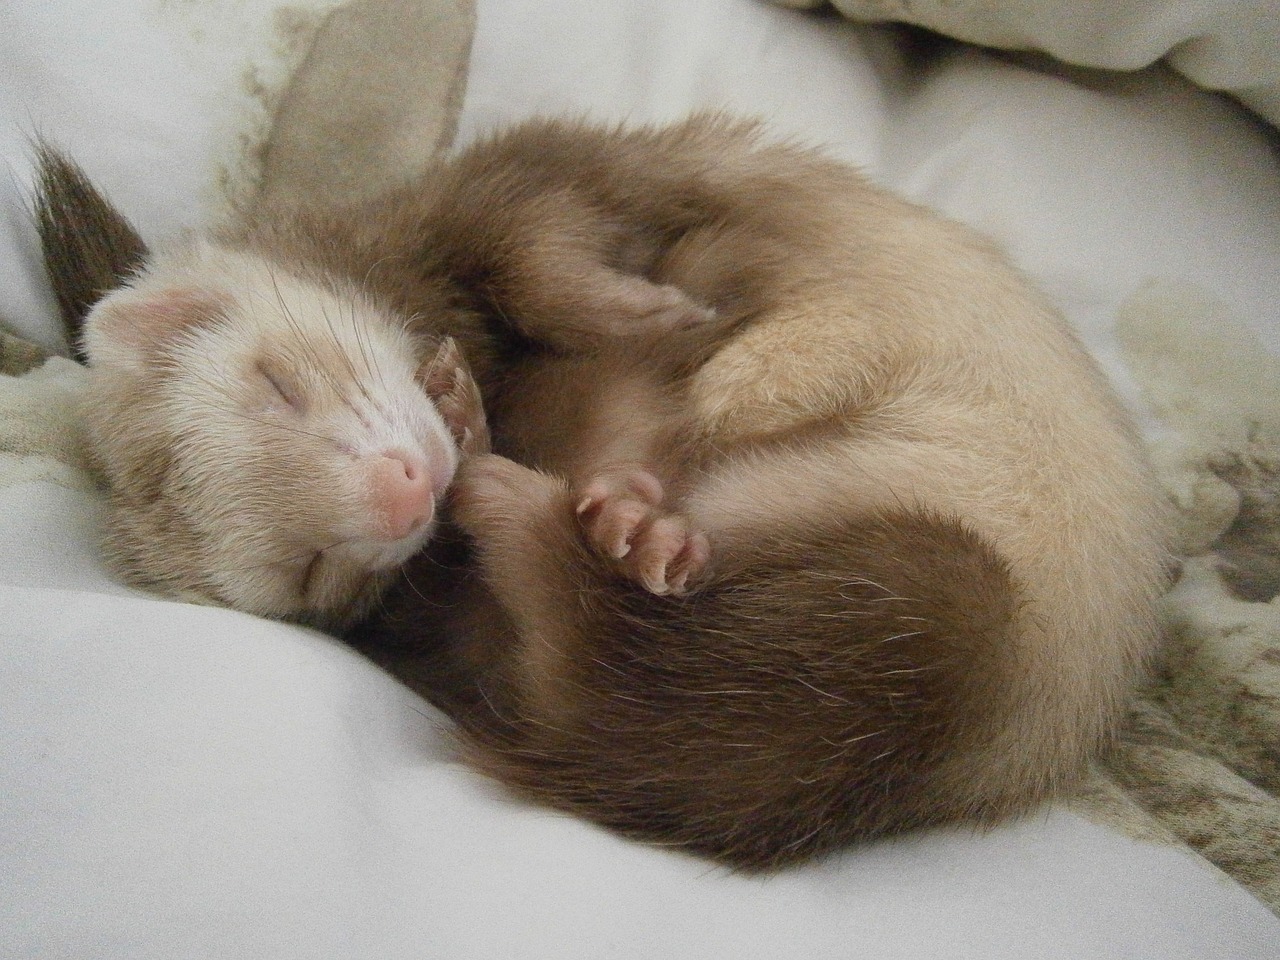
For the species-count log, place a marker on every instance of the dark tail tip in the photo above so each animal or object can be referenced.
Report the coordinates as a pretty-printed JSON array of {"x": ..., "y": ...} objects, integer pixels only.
[{"x": 89, "y": 247}]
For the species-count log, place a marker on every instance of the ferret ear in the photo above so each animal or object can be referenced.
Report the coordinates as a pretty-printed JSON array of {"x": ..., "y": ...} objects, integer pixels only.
[
  {"x": 132, "y": 325},
  {"x": 439, "y": 373}
]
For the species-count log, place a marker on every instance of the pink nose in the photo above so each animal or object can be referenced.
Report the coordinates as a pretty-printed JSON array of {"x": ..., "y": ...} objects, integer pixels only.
[{"x": 402, "y": 495}]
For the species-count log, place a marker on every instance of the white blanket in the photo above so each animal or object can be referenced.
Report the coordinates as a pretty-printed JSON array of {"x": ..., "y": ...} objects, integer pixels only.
[
  {"x": 1228, "y": 45},
  {"x": 179, "y": 781}
]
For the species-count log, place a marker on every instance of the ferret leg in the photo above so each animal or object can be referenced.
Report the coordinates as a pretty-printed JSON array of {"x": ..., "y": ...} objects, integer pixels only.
[
  {"x": 525, "y": 523},
  {"x": 569, "y": 287},
  {"x": 529, "y": 548},
  {"x": 620, "y": 445},
  {"x": 595, "y": 301}
]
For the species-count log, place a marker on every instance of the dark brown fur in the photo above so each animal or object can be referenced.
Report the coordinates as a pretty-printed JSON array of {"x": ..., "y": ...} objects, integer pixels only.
[
  {"x": 755, "y": 721},
  {"x": 89, "y": 248}
]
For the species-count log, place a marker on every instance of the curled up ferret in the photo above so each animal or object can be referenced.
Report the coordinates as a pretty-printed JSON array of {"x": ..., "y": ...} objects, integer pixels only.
[{"x": 807, "y": 519}]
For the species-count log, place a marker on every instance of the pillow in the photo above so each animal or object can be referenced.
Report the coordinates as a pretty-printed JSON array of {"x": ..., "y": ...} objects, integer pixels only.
[{"x": 1228, "y": 45}]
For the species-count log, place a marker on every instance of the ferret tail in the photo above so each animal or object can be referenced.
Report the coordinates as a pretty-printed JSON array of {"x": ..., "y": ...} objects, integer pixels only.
[
  {"x": 89, "y": 247},
  {"x": 839, "y": 683}
]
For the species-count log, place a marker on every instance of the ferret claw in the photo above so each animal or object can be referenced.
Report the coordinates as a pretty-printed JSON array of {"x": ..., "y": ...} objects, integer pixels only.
[{"x": 622, "y": 519}]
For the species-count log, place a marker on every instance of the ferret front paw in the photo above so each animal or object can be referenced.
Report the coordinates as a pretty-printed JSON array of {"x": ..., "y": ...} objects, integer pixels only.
[
  {"x": 448, "y": 382},
  {"x": 621, "y": 518}
]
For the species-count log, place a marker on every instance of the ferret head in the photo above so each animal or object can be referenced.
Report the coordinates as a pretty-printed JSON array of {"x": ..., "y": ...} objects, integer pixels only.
[{"x": 269, "y": 442}]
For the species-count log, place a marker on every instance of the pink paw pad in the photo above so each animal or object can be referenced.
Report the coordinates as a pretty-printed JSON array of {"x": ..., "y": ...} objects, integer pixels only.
[
  {"x": 666, "y": 555},
  {"x": 620, "y": 517}
]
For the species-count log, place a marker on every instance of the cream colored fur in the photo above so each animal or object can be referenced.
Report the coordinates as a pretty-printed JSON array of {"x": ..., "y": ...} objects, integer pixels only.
[
  {"x": 222, "y": 489},
  {"x": 973, "y": 400}
]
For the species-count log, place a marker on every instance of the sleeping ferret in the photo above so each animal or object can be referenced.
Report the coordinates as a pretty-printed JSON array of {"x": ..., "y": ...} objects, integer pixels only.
[{"x": 808, "y": 518}]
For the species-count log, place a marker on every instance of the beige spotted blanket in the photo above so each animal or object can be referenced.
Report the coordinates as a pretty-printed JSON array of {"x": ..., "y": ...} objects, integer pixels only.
[{"x": 1199, "y": 761}]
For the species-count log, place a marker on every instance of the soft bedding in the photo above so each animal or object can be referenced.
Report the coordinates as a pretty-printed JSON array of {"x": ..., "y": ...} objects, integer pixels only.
[
  {"x": 182, "y": 781},
  {"x": 1230, "y": 45}
]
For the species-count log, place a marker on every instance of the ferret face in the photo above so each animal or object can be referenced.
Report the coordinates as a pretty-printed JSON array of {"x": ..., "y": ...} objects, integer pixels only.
[{"x": 269, "y": 443}]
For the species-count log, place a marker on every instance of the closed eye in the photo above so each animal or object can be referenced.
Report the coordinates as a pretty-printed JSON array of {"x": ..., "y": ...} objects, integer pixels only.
[
  {"x": 281, "y": 384},
  {"x": 310, "y": 574}
]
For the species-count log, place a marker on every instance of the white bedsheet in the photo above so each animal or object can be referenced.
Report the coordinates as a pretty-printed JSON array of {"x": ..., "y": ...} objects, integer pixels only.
[{"x": 190, "y": 782}]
